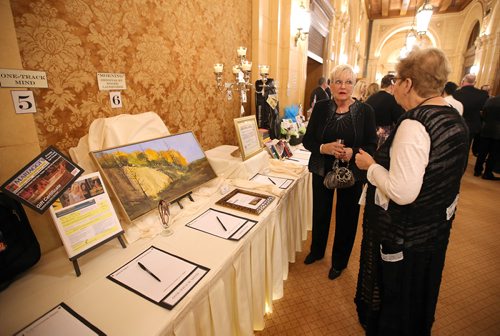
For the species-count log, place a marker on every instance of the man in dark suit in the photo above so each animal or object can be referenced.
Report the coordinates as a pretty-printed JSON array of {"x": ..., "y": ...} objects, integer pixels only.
[
  {"x": 387, "y": 110},
  {"x": 473, "y": 101},
  {"x": 489, "y": 148},
  {"x": 319, "y": 93}
]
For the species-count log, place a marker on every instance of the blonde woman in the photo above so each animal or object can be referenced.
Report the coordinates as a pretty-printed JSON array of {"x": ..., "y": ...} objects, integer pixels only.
[
  {"x": 341, "y": 117},
  {"x": 359, "y": 91},
  {"x": 371, "y": 89}
]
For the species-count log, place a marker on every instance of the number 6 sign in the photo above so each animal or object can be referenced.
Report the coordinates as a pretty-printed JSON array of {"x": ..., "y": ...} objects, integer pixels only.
[
  {"x": 116, "y": 99},
  {"x": 24, "y": 101}
]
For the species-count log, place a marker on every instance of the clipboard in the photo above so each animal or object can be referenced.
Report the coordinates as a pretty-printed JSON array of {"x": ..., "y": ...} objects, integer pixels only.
[
  {"x": 60, "y": 321},
  {"x": 222, "y": 224},
  {"x": 280, "y": 182},
  {"x": 155, "y": 272}
]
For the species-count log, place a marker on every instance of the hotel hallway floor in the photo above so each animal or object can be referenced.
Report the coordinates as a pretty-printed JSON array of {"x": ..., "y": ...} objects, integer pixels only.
[{"x": 469, "y": 299}]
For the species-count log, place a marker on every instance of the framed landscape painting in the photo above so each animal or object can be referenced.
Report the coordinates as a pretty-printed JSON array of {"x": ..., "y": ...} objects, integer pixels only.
[{"x": 142, "y": 174}]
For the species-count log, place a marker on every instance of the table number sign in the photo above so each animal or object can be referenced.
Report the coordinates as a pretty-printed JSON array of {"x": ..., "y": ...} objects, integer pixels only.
[{"x": 24, "y": 101}]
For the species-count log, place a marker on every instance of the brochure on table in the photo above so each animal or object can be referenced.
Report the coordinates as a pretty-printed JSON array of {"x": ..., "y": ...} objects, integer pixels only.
[
  {"x": 40, "y": 182},
  {"x": 84, "y": 215},
  {"x": 222, "y": 224},
  {"x": 160, "y": 277},
  {"x": 60, "y": 321}
]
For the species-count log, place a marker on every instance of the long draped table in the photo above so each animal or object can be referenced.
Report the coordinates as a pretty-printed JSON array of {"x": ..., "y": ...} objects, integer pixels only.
[{"x": 244, "y": 278}]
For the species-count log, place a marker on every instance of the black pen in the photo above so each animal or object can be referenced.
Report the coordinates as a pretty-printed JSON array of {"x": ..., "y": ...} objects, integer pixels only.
[
  {"x": 148, "y": 271},
  {"x": 293, "y": 160},
  {"x": 220, "y": 222},
  {"x": 271, "y": 180}
]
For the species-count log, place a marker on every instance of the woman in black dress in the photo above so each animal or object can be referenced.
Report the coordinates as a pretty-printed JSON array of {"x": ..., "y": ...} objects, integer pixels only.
[
  {"x": 341, "y": 117},
  {"x": 414, "y": 181}
]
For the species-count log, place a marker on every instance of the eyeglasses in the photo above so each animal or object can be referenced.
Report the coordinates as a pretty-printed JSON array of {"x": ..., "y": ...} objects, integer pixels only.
[
  {"x": 394, "y": 80},
  {"x": 338, "y": 82}
]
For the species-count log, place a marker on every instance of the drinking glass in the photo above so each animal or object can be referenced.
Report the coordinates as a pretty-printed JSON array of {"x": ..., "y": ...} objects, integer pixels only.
[{"x": 164, "y": 213}]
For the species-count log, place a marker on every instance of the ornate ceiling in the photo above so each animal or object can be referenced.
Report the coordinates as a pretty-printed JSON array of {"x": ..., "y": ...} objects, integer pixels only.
[{"x": 385, "y": 9}]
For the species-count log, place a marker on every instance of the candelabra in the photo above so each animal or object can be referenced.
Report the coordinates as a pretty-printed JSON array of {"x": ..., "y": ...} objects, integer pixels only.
[{"x": 241, "y": 72}]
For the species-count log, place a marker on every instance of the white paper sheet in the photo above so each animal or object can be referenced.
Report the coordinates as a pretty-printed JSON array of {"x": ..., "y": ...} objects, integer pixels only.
[
  {"x": 280, "y": 182},
  {"x": 60, "y": 321},
  {"x": 222, "y": 224},
  {"x": 171, "y": 271}
]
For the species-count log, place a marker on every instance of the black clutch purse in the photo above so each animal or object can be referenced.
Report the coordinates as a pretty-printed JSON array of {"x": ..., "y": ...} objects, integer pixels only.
[{"x": 339, "y": 177}]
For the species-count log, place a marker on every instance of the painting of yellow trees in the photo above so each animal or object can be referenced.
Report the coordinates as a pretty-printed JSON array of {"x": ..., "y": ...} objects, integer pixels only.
[{"x": 142, "y": 174}]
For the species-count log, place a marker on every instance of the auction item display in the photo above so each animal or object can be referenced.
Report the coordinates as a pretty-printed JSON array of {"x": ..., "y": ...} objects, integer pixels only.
[
  {"x": 40, "y": 182},
  {"x": 248, "y": 135},
  {"x": 246, "y": 201},
  {"x": 85, "y": 217},
  {"x": 141, "y": 174}
]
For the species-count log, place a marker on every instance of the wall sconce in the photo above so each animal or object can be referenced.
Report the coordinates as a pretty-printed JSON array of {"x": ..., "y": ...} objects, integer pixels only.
[
  {"x": 474, "y": 69},
  {"x": 343, "y": 59},
  {"x": 423, "y": 17},
  {"x": 303, "y": 22}
]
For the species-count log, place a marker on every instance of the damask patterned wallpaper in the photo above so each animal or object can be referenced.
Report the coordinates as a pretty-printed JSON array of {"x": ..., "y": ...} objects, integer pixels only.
[{"x": 165, "y": 48}]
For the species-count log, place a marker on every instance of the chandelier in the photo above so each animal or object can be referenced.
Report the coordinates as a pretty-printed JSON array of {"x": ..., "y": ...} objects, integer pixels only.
[
  {"x": 423, "y": 17},
  {"x": 241, "y": 73},
  {"x": 410, "y": 41}
]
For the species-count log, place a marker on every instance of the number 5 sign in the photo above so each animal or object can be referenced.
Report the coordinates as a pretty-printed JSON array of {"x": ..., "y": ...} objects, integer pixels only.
[{"x": 24, "y": 101}]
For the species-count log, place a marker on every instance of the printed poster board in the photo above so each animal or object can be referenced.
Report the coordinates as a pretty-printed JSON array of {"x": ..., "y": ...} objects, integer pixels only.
[
  {"x": 43, "y": 180},
  {"x": 84, "y": 215}
]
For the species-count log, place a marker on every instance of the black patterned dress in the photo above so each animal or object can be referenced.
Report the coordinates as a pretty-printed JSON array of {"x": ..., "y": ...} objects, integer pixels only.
[{"x": 397, "y": 294}]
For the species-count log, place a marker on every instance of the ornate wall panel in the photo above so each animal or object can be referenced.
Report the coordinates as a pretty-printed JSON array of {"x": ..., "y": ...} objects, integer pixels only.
[{"x": 165, "y": 48}]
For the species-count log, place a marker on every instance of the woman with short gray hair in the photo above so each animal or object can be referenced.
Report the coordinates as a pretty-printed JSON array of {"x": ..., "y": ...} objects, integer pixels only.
[
  {"x": 414, "y": 181},
  {"x": 353, "y": 122}
]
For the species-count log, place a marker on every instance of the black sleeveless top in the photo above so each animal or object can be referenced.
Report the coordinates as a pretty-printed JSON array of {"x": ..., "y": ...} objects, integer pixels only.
[{"x": 425, "y": 223}]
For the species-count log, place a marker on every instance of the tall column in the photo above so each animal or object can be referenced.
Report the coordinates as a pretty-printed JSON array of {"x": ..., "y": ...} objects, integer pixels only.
[
  {"x": 18, "y": 136},
  {"x": 489, "y": 58}
]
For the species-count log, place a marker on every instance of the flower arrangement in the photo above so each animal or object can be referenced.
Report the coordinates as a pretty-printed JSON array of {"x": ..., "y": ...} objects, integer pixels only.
[{"x": 292, "y": 131}]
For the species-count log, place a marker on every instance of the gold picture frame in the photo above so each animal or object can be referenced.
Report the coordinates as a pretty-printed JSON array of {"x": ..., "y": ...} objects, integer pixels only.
[
  {"x": 246, "y": 201},
  {"x": 249, "y": 140}
]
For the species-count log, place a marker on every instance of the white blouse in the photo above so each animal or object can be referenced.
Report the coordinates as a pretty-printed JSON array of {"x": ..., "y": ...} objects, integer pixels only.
[{"x": 409, "y": 157}]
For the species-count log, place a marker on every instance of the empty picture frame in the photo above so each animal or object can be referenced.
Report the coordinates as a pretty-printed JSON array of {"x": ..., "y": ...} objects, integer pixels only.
[
  {"x": 248, "y": 136},
  {"x": 141, "y": 174}
]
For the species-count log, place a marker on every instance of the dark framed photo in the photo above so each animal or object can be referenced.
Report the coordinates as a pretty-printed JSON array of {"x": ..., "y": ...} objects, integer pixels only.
[
  {"x": 246, "y": 201},
  {"x": 43, "y": 180}
]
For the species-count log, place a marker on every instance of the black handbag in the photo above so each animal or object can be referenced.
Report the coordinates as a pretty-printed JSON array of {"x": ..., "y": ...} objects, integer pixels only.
[
  {"x": 339, "y": 177},
  {"x": 19, "y": 248}
]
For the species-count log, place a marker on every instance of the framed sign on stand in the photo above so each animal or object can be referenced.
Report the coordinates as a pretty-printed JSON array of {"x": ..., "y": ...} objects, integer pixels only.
[
  {"x": 85, "y": 218},
  {"x": 248, "y": 137}
]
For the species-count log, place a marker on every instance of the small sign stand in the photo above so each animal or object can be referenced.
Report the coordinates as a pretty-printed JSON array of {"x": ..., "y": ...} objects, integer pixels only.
[
  {"x": 74, "y": 259},
  {"x": 178, "y": 200}
]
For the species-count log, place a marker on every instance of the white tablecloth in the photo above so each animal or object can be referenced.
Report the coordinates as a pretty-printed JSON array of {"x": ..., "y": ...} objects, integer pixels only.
[{"x": 232, "y": 299}]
